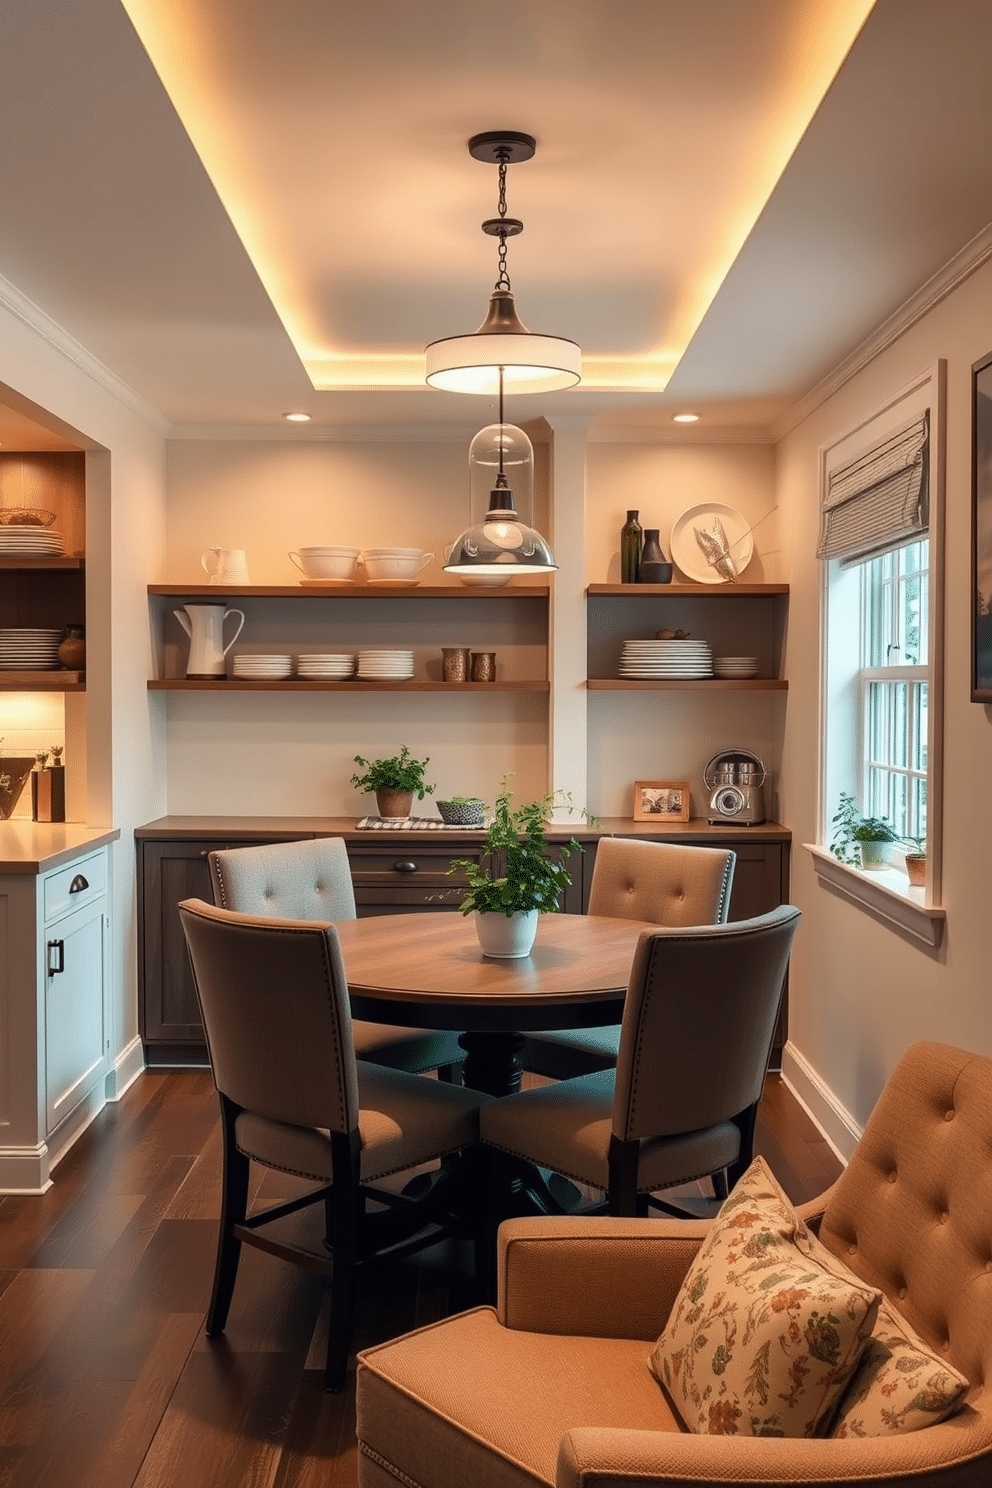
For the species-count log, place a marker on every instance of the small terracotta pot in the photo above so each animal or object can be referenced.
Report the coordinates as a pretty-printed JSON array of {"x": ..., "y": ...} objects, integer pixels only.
[
  {"x": 393, "y": 805},
  {"x": 916, "y": 867}
]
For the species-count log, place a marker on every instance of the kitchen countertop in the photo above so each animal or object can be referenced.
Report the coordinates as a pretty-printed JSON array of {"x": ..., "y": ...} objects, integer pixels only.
[
  {"x": 34, "y": 847},
  {"x": 249, "y": 827}
]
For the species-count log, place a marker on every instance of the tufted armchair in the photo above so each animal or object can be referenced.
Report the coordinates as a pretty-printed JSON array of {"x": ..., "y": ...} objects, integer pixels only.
[{"x": 553, "y": 1386}]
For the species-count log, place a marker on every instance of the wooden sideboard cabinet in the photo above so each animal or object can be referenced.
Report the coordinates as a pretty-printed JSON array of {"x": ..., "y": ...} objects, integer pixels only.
[{"x": 393, "y": 873}]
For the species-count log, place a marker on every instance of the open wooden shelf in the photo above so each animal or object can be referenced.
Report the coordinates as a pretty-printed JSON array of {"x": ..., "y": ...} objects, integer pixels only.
[{"x": 297, "y": 684}]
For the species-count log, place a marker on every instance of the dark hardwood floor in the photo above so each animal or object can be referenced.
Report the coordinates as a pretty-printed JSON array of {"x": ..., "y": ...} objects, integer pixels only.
[{"x": 106, "y": 1379}]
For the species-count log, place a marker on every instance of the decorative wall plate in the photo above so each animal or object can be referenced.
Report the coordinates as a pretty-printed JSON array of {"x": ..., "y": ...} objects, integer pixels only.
[{"x": 712, "y": 543}]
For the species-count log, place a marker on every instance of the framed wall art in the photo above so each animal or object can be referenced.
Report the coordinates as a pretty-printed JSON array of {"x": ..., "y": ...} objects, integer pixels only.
[
  {"x": 661, "y": 800},
  {"x": 981, "y": 531}
]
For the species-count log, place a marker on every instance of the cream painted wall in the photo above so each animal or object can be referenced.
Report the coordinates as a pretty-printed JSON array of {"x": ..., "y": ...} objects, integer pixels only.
[
  {"x": 267, "y": 754},
  {"x": 859, "y": 990},
  {"x": 125, "y": 532}
]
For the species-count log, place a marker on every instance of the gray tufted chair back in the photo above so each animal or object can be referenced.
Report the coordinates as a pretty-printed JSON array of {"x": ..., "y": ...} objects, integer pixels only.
[
  {"x": 308, "y": 880},
  {"x": 912, "y": 1213},
  {"x": 661, "y": 882}
]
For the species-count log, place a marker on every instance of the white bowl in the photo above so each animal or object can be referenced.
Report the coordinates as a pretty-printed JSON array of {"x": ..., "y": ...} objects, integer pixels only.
[
  {"x": 325, "y": 563},
  {"x": 483, "y": 580},
  {"x": 393, "y": 552},
  {"x": 395, "y": 568}
]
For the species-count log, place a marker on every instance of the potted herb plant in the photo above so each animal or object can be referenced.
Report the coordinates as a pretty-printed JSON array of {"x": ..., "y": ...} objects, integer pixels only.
[
  {"x": 395, "y": 781},
  {"x": 517, "y": 878},
  {"x": 860, "y": 840}
]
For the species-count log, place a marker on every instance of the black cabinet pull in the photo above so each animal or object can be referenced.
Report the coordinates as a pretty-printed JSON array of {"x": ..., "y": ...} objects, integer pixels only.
[
  {"x": 79, "y": 883},
  {"x": 56, "y": 954},
  {"x": 405, "y": 866}
]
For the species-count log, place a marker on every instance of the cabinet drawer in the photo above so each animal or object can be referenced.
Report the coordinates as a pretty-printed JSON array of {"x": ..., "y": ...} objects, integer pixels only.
[
  {"x": 399, "y": 867},
  {"x": 78, "y": 884}
]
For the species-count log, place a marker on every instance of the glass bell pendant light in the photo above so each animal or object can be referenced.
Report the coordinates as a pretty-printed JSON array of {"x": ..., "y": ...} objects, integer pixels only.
[{"x": 501, "y": 540}]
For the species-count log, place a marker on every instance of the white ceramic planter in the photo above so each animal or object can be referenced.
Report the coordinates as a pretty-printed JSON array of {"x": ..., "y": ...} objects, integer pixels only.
[{"x": 507, "y": 936}]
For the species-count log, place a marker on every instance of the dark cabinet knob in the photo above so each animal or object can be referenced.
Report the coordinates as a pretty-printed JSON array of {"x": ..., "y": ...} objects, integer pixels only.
[
  {"x": 79, "y": 883},
  {"x": 405, "y": 866}
]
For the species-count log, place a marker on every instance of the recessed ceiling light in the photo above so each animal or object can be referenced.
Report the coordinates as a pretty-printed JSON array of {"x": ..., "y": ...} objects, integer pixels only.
[
  {"x": 297, "y": 418},
  {"x": 685, "y": 418}
]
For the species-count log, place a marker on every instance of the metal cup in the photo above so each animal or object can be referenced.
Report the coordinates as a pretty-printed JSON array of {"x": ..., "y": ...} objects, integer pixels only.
[
  {"x": 454, "y": 663},
  {"x": 483, "y": 666}
]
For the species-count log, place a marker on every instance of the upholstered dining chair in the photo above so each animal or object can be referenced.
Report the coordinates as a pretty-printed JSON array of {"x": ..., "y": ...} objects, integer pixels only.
[
  {"x": 665, "y": 883},
  {"x": 553, "y": 1387},
  {"x": 293, "y": 1097},
  {"x": 698, "y": 1022},
  {"x": 311, "y": 880}
]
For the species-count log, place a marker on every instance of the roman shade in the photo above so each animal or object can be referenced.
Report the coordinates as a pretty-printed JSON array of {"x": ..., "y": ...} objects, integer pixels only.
[{"x": 880, "y": 499}]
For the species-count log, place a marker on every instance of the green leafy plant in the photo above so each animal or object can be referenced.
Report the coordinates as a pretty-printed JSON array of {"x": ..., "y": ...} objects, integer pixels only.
[
  {"x": 399, "y": 772},
  {"x": 465, "y": 801},
  {"x": 851, "y": 828},
  {"x": 516, "y": 871}
]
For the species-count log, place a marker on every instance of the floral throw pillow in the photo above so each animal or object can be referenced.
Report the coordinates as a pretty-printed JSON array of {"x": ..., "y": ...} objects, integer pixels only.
[
  {"x": 900, "y": 1384},
  {"x": 768, "y": 1327}
]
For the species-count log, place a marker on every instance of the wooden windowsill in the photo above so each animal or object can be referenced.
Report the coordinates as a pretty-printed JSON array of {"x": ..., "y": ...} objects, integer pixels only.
[{"x": 885, "y": 892}]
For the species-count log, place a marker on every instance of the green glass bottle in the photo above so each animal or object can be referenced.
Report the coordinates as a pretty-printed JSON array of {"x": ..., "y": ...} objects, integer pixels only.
[{"x": 631, "y": 540}]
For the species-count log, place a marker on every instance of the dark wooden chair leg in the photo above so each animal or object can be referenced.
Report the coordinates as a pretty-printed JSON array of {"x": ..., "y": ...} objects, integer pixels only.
[
  {"x": 621, "y": 1195},
  {"x": 745, "y": 1123},
  {"x": 342, "y": 1208},
  {"x": 234, "y": 1207}
]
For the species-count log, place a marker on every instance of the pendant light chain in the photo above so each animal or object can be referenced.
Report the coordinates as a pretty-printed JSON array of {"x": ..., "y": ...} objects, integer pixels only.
[{"x": 503, "y": 277}]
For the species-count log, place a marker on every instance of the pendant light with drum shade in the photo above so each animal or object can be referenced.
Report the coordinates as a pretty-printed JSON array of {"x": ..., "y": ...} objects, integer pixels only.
[
  {"x": 503, "y": 351},
  {"x": 502, "y": 356}
]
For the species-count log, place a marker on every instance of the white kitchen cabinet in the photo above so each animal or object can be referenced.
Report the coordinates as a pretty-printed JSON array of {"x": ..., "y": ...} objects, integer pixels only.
[{"x": 54, "y": 1036}]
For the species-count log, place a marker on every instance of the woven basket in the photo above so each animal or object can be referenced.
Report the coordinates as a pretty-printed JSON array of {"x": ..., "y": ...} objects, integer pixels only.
[{"x": 461, "y": 814}]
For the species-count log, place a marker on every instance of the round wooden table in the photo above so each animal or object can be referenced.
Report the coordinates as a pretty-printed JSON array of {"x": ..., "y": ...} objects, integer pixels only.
[{"x": 426, "y": 970}]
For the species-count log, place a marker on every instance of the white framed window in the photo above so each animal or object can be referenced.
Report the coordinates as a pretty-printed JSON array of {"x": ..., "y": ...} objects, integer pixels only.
[
  {"x": 881, "y": 541},
  {"x": 893, "y": 687}
]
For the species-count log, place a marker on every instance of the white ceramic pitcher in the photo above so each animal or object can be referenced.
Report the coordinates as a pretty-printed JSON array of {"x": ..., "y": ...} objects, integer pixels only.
[
  {"x": 225, "y": 565},
  {"x": 204, "y": 624}
]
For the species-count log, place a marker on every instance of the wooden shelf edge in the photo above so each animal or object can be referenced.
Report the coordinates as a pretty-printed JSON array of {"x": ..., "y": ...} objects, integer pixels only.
[
  {"x": 350, "y": 591},
  {"x": 36, "y": 561},
  {"x": 705, "y": 684},
  {"x": 294, "y": 684},
  {"x": 686, "y": 591}
]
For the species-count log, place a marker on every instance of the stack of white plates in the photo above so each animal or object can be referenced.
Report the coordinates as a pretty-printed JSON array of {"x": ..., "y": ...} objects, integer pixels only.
[
  {"x": 24, "y": 542},
  {"x": 666, "y": 660},
  {"x": 385, "y": 666},
  {"x": 326, "y": 666},
  {"x": 731, "y": 667},
  {"x": 257, "y": 668},
  {"x": 29, "y": 650}
]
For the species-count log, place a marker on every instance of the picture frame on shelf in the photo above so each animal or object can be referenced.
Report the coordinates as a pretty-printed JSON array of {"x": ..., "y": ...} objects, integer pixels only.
[
  {"x": 661, "y": 800},
  {"x": 981, "y": 531}
]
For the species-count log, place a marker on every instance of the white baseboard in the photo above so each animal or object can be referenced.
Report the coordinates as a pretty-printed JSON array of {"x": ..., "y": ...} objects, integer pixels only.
[
  {"x": 129, "y": 1064},
  {"x": 835, "y": 1123}
]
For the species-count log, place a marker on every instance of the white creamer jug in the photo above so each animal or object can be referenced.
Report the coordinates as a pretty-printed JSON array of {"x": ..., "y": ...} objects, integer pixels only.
[
  {"x": 225, "y": 565},
  {"x": 204, "y": 624}
]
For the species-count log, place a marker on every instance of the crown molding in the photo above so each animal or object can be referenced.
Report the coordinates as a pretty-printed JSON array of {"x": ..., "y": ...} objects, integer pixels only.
[
  {"x": 692, "y": 436},
  {"x": 49, "y": 331},
  {"x": 946, "y": 280},
  {"x": 413, "y": 433}
]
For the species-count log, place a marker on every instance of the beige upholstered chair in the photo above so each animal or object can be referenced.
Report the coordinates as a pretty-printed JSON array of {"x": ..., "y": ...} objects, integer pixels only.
[
  {"x": 662, "y": 882},
  {"x": 553, "y": 1386},
  {"x": 311, "y": 880},
  {"x": 697, "y": 1030},
  {"x": 274, "y": 1001}
]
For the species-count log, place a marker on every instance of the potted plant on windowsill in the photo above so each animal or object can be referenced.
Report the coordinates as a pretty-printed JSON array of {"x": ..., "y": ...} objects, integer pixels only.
[
  {"x": 860, "y": 840},
  {"x": 517, "y": 878},
  {"x": 395, "y": 781},
  {"x": 916, "y": 861}
]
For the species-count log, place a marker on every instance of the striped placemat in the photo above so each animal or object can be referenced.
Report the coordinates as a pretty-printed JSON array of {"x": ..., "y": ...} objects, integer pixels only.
[{"x": 409, "y": 824}]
